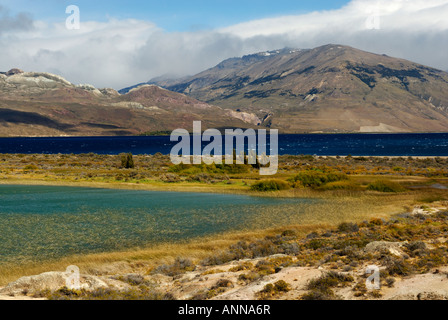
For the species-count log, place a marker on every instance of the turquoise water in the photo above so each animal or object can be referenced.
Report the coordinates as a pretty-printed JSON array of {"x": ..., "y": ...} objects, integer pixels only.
[{"x": 41, "y": 222}]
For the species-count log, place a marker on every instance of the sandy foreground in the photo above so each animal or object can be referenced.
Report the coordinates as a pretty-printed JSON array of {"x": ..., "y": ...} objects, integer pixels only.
[{"x": 430, "y": 286}]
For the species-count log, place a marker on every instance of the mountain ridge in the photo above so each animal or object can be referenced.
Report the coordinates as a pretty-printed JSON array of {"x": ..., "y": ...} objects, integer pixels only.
[
  {"x": 44, "y": 104},
  {"x": 329, "y": 89},
  {"x": 332, "y": 88}
]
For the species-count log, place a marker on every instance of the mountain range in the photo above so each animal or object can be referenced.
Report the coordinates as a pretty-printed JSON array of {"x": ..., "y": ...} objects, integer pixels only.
[
  {"x": 43, "y": 104},
  {"x": 332, "y": 88}
]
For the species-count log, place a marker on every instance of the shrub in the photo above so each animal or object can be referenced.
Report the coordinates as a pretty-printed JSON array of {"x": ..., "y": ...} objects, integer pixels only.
[
  {"x": 375, "y": 294},
  {"x": 290, "y": 248},
  {"x": 316, "y": 244},
  {"x": 271, "y": 290},
  {"x": 264, "y": 248},
  {"x": 133, "y": 279},
  {"x": 348, "y": 227},
  {"x": 234, "y": 168},
  {"x": 360, "y": 289},
  {"x": 170, "y": 178},
  {"x": 31, "y": 167},
  {"x": 376, "y": 222},
  {"x": 223, "y": 283},
  {"x": 249, "y": 277},
  {"x": 390, "y": 282},
  {"x": 385, "y": 186},
  {"x": 143, "y": 293},
  {"x": 398, "y": 267},
  {"x": 242, "y": 267},
  {"x": 329, "y": 280},
  {"x": 341, "y": 185},
  {"x": 318, "y": 295},
  {"x": 270, "y": 185},
  {"x": 64, "y": 294},
  {"x": 312, "y": 235},
  {"x": 289, "y": 233},
  {"x": 265, "y": 267},
  {"x": 136, "y": 293},
  {"x": 442, "y": 214},
  {"x": 415, "y": 245},
  {"x": 179, "y": 266},
  {"x": 281, "y": 286},
  {"x": 321, "y": 288},
  {"x": 316, "y": 179},
  {"x": 201, "y": 177},
  {"x": 127, "y": 161}
]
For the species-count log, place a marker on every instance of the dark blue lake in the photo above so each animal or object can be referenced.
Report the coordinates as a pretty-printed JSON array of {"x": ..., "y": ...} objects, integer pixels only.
[{"x": 431, "y": 144}]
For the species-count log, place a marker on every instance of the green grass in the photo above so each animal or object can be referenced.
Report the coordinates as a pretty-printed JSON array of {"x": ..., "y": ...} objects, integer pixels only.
[{"x": 341, "y": 185}]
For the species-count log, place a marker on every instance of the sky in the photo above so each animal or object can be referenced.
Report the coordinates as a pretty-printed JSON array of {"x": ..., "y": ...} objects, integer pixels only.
[
  {"x": 122, "y": 43},
  {"x": 174, "y": 15}
]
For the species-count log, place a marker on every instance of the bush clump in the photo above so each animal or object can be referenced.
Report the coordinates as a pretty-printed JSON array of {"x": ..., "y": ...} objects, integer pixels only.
[
  {"x": 315, "y": 179},
  {"x": 329, "y": 280},
  {"x": 270, "y": 290},
  {"x": 348, "y": 227},
  {"x": 398, "y": 267},
  {"x": 179, "y": 266},
  {"x": 127, "y": 161},
  {"x": 270, "y": 185},
  {"x": 135, "y": 293},
  {"x": 170, "y": 178},
  {"x": 341, "y": 185},
  {"x": 321, "y": 288},
  {"x": 386, "y": 186}
]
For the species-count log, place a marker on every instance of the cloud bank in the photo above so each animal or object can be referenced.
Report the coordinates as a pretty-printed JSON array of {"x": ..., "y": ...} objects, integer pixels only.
[{"x": 118, "y": 53}]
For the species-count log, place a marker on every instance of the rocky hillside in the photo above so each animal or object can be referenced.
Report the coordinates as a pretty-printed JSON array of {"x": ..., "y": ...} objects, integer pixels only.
[
  {"x": 332, "y": 88},
  {"x": 43, "y": 104}
]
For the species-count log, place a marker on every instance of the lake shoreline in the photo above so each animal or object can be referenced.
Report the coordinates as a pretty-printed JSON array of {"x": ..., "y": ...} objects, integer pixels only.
[
  {"x": 104, "y": 172},
  {"x": 127, "y": 186}
]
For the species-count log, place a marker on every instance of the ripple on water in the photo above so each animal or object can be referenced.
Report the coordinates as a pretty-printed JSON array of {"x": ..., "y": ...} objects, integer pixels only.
[{"x": 41, "y": 222}]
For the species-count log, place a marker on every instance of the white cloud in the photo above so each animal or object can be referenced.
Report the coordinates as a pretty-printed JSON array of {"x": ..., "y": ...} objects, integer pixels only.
[
  {"x": 118, "y": 53},
  {"x": 98, "y": 53}
]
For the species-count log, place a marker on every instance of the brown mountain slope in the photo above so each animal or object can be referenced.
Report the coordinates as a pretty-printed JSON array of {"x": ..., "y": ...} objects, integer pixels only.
[
  {"x": 42, "y": 104},
  {"x": 330, "y": 89}
]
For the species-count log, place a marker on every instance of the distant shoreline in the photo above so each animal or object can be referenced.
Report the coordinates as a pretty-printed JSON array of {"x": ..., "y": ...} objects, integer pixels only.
[
  {"x": 167, "y": 133},
  {"x": 356, "y": 145}
]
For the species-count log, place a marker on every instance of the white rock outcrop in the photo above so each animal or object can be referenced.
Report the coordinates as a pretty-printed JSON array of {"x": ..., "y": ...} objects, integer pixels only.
[
  {"x": 394, "y": 248},
  {"x": 49, "y": 281}
]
